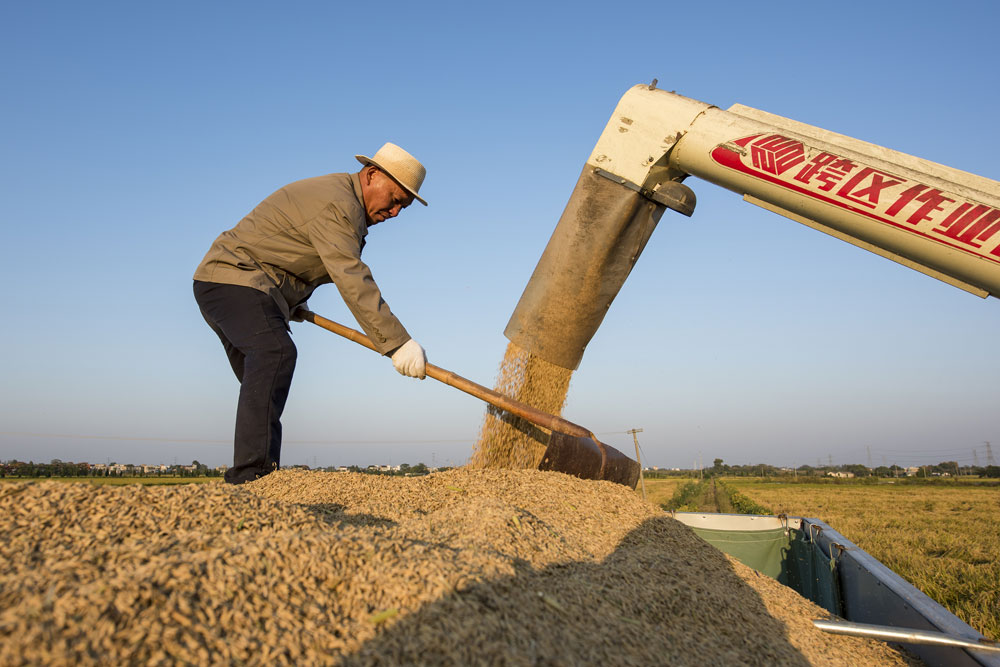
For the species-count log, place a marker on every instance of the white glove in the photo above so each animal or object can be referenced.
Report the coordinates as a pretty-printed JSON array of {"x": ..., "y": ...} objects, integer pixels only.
[{"x": 410, "y": 359}]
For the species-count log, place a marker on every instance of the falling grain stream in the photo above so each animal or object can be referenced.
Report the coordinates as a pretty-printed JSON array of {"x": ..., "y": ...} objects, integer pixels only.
[{"x": 510, "y": 442}]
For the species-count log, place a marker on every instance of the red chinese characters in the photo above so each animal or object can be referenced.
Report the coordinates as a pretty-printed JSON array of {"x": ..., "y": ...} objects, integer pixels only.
[
  {"x": 866, "y": 187},
  {"x": 873, "y": 192},
  {"x": 930, "y": 200},
  {"x": 827, "y": 168},
  {"x": 972, "y": 225}
]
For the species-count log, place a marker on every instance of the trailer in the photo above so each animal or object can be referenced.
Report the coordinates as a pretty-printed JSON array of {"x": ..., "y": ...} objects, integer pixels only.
[{"x": 828, "y": 569}]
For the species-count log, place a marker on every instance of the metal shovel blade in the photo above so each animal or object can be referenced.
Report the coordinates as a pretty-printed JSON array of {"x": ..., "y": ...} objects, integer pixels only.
[{"x": 588, "y": 458}]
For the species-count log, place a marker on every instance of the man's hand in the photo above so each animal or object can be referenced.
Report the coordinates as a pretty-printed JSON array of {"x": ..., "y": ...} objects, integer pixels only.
[
  {"x": 410, "y": 359},
  {"x": 296, "y": 315}
]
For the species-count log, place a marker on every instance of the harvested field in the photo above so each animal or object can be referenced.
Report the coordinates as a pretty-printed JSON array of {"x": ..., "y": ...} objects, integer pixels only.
[
  {"x": 659, "y": 491},
  {"x": 457, "y": 568},
  {"x": 510, "y": 442}
]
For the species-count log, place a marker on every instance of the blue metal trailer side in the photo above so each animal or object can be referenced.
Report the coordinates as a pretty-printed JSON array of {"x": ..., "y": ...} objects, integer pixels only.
[{"x": 827, "y": 568}]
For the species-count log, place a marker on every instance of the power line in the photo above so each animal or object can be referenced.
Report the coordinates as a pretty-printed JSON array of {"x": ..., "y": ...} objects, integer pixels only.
[{"x": 76, "y": 436}]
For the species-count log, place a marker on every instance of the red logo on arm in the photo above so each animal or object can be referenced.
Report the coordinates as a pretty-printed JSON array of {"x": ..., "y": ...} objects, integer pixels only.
[
  {"x": 874, "y": 193},
  {"x": 776, "y": 154}
]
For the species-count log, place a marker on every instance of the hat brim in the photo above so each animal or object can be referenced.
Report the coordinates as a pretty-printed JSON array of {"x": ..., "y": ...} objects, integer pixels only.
[{"x": 368, "y": 161}]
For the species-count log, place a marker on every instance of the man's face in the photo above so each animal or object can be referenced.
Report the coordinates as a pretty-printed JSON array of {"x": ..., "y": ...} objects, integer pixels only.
[{"x": 384, "y": 197}]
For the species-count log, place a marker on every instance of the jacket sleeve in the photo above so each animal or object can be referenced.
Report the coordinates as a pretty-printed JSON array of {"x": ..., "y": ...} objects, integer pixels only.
[{"x": 339, "y": 247}]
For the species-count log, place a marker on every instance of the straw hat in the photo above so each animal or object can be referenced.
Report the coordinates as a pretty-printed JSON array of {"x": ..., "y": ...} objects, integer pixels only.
[{"x": 401, "y": 166}]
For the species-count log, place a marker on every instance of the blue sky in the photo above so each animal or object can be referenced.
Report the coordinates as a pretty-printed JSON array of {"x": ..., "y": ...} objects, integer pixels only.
[{"x": 134, "y": 133}]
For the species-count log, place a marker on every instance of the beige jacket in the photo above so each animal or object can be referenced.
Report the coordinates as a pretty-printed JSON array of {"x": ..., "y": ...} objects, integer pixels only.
[{"x": 306, "y": 234}]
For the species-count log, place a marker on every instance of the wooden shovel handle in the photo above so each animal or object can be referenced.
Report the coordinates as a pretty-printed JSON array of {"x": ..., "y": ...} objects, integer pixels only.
[{"x": 523, "y": 410}]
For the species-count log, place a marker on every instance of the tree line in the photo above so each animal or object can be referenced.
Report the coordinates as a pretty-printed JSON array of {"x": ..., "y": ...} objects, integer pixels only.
[
  {"x": 720, "y": 468},
  {"x": 58, "y": 468}
]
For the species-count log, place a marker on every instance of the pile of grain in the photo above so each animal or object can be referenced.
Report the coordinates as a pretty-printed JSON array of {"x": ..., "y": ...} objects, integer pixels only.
[
  {"x": 457, "y": 568},
  {"x": 507, "y": 441}
]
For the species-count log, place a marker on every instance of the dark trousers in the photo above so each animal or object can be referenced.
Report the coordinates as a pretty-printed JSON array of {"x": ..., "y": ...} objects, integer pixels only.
[{"x": 255, "y": 335}]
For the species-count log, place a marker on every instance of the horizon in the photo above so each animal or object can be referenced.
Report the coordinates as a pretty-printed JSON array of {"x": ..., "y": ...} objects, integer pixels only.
[{"x": 646, "y": 467}]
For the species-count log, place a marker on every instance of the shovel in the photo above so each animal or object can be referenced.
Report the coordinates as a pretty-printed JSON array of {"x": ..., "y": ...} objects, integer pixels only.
[
  {"x": 572, "y": 449},
  {"x": 904, "y": 635}
]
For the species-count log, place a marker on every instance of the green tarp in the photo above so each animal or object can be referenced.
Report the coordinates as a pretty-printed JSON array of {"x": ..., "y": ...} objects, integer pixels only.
[{"x": 781, "y": 554}]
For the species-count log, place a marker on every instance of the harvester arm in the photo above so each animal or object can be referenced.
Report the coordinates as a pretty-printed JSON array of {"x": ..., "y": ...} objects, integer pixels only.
[{"x": 929, "y": 217}]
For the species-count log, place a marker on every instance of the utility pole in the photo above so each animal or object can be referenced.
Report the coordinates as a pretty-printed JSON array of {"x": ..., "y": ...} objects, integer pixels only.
[
  {"x": 989, "y": 455},
  {"x": 638, "y": 460}
]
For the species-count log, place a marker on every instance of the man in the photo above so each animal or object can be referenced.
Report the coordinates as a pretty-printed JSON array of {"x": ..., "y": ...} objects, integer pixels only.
[{"x": 258, "y": 273}]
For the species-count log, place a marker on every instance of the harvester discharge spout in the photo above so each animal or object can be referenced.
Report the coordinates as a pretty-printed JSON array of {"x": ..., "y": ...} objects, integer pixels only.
[
  {"x": 595, "y": 245},
  {"x": 624, "y": 189}
]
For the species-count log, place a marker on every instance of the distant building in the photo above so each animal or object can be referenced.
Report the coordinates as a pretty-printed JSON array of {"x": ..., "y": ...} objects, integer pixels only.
[{"x": 841, "y": 475}]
